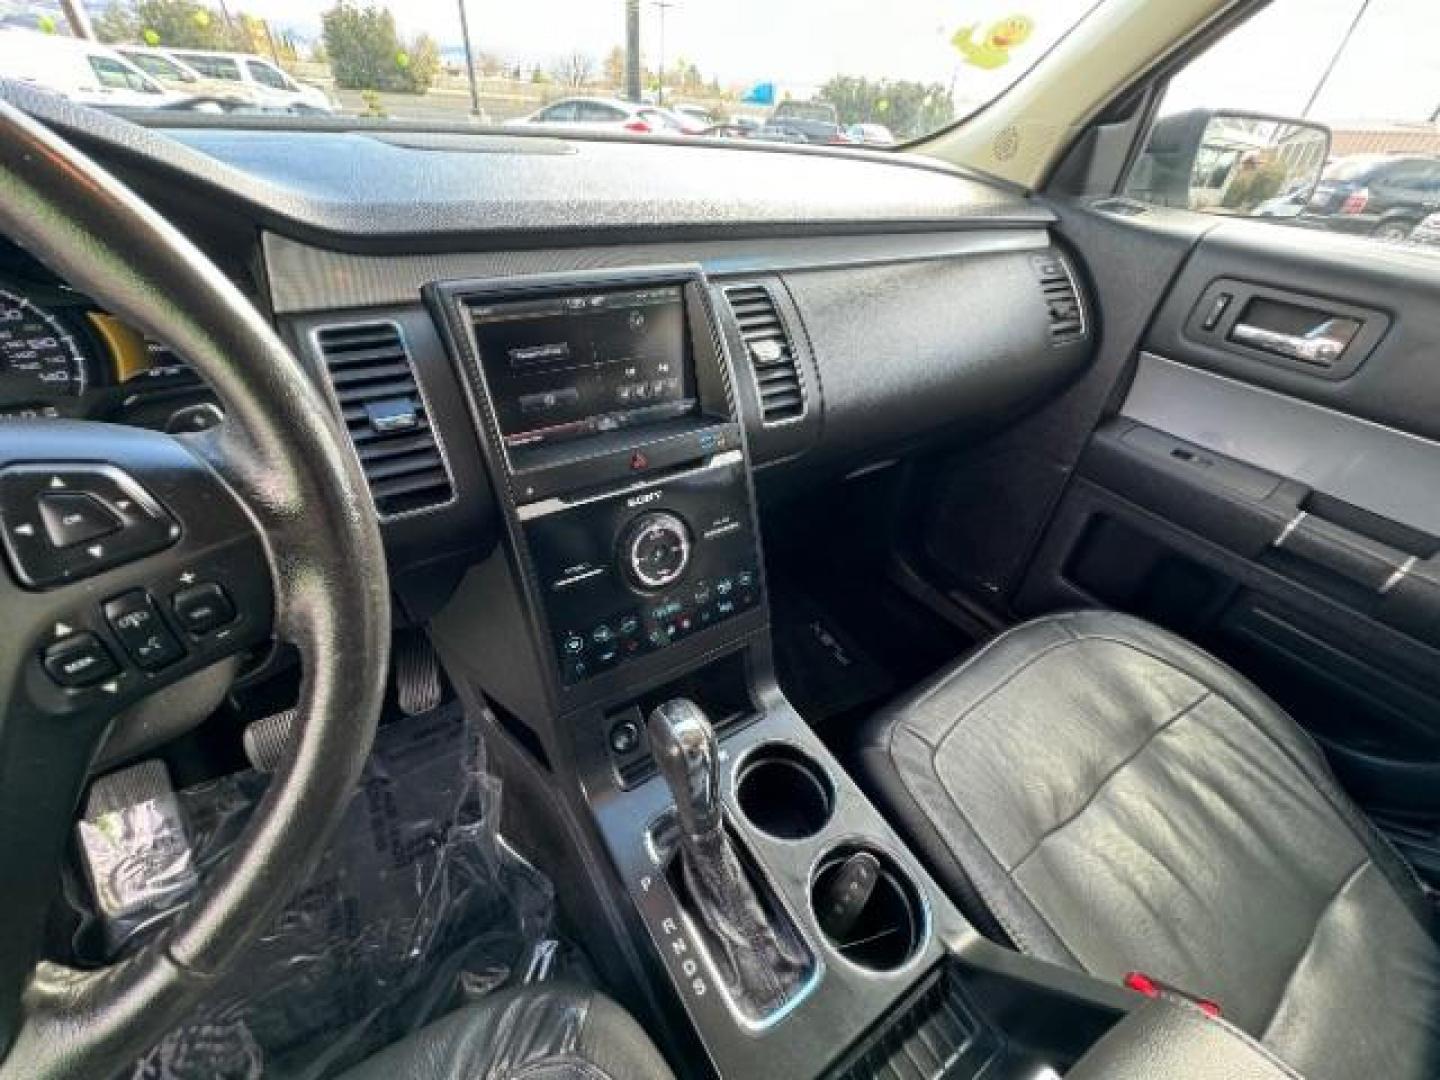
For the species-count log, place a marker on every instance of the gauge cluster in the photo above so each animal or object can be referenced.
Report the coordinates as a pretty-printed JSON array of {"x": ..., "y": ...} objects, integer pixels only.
[{"x": 63, "y": 357}]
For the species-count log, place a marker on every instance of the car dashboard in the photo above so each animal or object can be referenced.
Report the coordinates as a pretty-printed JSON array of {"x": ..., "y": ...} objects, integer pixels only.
[{"x": 578, "y": 376}]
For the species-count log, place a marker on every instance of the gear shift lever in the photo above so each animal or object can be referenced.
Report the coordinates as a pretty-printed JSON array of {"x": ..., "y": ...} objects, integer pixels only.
[
  {"x": 688, "y": 757},
  {"x": 758, "y": 954}
]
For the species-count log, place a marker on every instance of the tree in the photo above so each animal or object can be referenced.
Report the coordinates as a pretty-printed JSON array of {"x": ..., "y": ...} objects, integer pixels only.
[
  {"x": 366, "y": 52},
  {"x": 615, "y": 67},
  {"x": 574, "y": 69},
  {"x": 907, "y": 108},
  {"x": 423, "y": 64},
  {"x": 180, "y": 24}
]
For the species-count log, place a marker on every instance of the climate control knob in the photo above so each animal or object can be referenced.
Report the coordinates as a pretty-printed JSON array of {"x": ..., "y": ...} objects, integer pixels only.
[{"x": 655, "y": 550}]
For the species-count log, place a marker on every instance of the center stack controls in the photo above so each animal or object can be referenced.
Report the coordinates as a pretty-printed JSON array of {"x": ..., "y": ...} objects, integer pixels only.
[
  {"x": 634, "y": 571},
  {"x": 613, "y": 431}
]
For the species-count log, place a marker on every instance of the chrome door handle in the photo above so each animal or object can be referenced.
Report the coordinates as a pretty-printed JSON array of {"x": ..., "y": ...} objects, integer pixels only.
[{"x": 1319, "y": 350}]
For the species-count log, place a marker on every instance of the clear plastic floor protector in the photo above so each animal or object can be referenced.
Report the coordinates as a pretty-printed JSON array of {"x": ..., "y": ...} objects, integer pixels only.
[{"x": 416, "y": 907}]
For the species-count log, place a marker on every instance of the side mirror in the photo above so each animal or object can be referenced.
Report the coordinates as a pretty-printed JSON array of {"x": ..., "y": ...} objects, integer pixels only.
[{"x": 1221, "y": 162}]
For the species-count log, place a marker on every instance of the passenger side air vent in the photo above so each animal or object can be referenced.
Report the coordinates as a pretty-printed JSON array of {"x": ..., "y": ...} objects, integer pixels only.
[
  {"x": 771, "y": 352},
  {"x": 386, "y": 416},
  {"x": 1062, "y": 298}
]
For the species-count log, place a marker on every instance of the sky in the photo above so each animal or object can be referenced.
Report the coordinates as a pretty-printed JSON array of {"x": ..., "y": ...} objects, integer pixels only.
[{"x": 1390, "y": 70}]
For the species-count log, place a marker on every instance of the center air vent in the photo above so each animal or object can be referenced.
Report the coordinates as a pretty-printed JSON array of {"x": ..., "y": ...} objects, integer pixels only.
[
  {"x": 771, "y": 352},
  {"x": 1062, "y": 298},
  {"x": 385, "y": 414}
]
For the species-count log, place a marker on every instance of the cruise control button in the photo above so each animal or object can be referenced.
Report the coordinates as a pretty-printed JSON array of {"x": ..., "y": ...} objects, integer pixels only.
[
  {"x": 71, "y": 518},
  {"x": 142, "y": 632},
  {"x": 79, "y": 661},
  {"x": 203, "y": 608}
]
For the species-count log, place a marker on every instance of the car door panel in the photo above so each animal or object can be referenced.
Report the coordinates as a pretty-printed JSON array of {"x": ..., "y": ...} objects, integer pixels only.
[{"x": 1287, "y": 520}]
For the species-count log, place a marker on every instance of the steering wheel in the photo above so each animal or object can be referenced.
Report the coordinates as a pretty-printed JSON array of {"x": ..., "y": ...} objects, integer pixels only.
[{"x": 270, "y": 507}]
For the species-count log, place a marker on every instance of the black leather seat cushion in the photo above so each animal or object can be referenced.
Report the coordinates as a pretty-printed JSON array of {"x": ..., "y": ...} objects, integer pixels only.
[
  {"x": 550, "y": 1032},
  {"x": 1104, "y": 795}
]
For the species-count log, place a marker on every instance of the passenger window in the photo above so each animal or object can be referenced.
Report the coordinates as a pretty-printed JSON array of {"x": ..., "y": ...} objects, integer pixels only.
[
  {"x": 1310, "y": 115},
  {"x": 598, "y": 112},
  {"x": 114, "y": 75},
  {"x": 561, "y": 113},
  {"x": 214, "y": 67},
  {"x": 266, "y": 76}
]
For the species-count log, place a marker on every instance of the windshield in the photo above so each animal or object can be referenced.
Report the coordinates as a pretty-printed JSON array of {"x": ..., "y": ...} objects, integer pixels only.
[{"x": 790, "y": 70}]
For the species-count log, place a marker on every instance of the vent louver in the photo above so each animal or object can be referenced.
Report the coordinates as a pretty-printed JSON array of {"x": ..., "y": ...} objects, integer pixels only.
[
  {"x": 937, "y": 1036},
  {"x": 771, "y": 352},
  {"x": 385, "y": 414},
  {"x": 1062, "y": 298}
]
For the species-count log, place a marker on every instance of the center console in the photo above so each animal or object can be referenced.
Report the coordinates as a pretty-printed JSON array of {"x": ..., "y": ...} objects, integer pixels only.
[
  {"x": 626, "y": 647},
  {"x": 613, "y": 436}
]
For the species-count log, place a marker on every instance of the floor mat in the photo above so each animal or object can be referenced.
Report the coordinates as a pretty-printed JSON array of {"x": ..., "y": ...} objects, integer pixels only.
[
  {"x": 848, "y": 639},
  {"x": 824, "y": 672},
  {"x": 416, "y": 907}
]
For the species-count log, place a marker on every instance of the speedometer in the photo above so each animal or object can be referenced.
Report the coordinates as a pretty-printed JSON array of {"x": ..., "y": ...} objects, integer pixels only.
[{"x": 39, "y": 360}]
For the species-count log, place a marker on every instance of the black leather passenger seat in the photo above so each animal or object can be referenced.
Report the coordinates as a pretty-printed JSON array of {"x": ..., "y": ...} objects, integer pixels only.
[{"x": 1099, "y": 793}]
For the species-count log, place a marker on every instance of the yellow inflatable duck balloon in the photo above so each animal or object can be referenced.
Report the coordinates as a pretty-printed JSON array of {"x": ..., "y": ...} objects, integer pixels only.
[{"x": 993, "y": 48}]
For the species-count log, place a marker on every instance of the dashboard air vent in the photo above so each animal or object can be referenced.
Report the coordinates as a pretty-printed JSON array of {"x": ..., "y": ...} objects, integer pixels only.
[
  {"x": 1062, "y": 298},
  {"x": 386, "y": 416},
  {"x": 771, "y": 352}
]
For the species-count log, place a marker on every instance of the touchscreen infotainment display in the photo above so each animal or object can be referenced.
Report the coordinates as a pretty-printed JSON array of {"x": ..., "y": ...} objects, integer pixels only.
[{"x": 562, "y": 367}]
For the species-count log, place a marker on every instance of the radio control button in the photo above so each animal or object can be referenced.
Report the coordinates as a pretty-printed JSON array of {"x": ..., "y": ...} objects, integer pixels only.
[
  {"x": 655, "y": 551},
  {"x": 573, "y": 644}
]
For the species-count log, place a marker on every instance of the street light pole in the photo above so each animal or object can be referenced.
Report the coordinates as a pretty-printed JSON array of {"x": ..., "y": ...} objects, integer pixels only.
[
  {"x": 78, "y": 18},
  {"x": 663, "y": 6},
  {"x": 632, "y": 50},
  {"x": 469, "y": 61}
]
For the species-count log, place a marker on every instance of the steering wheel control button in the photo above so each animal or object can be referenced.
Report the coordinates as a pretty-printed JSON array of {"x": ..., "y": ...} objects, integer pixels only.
[
  {"x": 144, "y": 635},
  {"x": 61, "y": 523},
  {"x": 79, "y": 661},
  {"x": 203, "y": 608},
  {"x": 72, "y": 517}
]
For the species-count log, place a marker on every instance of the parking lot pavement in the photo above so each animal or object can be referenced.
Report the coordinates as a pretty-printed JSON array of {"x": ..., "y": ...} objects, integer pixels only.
[{"x": 445, "y": 106}]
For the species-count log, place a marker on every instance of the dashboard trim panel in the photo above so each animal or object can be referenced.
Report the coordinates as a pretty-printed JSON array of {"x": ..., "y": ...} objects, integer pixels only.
[{"x": 306, "y": 278}]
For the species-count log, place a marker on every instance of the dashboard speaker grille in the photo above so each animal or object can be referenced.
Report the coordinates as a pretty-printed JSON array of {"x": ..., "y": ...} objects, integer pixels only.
[
  {"x": 771, "y": 352},
  {"x": 373, "y": 377},
  {"x": 1062, "y": 298}
]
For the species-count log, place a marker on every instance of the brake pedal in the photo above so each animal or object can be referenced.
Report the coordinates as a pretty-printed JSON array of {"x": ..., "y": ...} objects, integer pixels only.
[
  {"x": 135, "y": 843},
  {"x": 418, "y": 689}
]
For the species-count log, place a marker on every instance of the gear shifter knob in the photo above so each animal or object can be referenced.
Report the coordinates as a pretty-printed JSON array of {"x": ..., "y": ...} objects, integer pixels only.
[{"x": 687, "y": 756}]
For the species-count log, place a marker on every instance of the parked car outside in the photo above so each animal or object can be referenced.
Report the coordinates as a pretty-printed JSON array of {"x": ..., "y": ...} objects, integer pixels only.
[
  {"x": 266, "y": 84},
  {"x": 701, "y": 115},
  {"x": 1290, "y": 205},
  {"x": 870, "y": 134},
  {"x": 1427, "y": 233},
  {"x": 1379, "y": 195},
  {"x": 176, "y": 75},
  {"x": 605, "y": 113},
  {"x": 814, "y": 121},
  {"x": 83, "y": 71}
]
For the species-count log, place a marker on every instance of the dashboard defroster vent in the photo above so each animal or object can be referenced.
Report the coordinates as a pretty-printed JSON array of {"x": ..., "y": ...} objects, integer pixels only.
[
  {"x": 1062, "y": 298},
  {"x": 771, "y": 352},
  {"x": 384, "y": 410}
]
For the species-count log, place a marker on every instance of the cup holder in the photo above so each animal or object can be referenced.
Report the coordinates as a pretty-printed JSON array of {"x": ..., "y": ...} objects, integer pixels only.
[
  {"x": 880, "y": 932},
  {"x": 784, "y": 793}
]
